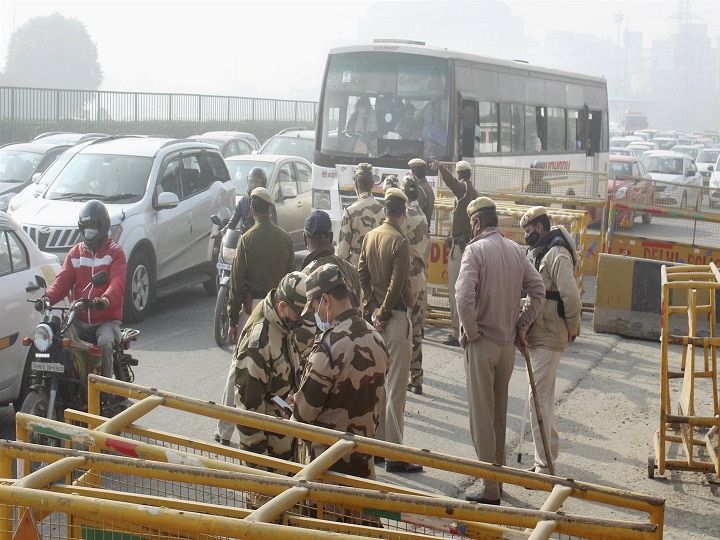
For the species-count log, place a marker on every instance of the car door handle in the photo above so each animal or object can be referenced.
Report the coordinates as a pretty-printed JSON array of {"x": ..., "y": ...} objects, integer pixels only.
[
  {"x": 32, "y": 287},
  {"x": 299, "y": 204}
]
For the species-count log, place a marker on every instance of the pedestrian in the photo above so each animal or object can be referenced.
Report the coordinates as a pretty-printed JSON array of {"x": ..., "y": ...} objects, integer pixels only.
[
  {"x": 552, "y": 252},
  {"x": 319, "y": 242},
  {"x": 264, "y": 255},
  {"x": 416, "y": 231},
  {"x": 345, "y": 374},
  {"x": 426, "y": 199},
  {"x": 493, "y": 273},
  {"x": 360, "y": 217},
  {"x": 242, "y": 217},
  {"x": 384, "y": 270},
  {"x": 268, "y": 364},
  {"x": 460, "y": 233}
]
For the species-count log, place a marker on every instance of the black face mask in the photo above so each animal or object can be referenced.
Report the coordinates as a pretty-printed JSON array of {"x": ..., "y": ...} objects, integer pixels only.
[
  {"x": 532, "y": 238},
  {"x": 291, "y": 325}
]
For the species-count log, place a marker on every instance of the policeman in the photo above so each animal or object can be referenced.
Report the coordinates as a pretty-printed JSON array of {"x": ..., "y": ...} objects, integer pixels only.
[
  {"x": 426, "y": 199},
  {"x": 537, "y": 183},
  {"x": 319, "y": 242},
  {"x": 390, "y": 180},
  {"x": 384, "y": 269},
  {"x": 242, "y": 215},
  {"x": 264, "y": 255},
  {"x": 460, "y": 233},
  {"x": 360, "y": 217},
  {"x": 268, "y": 363},
  {"x": 416, "y": 231},
  {"x": 344, "y": 379}
]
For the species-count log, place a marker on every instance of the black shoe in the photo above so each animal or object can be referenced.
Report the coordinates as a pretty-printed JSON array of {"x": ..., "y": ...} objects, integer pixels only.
[
  {"x": 402, "y": 466},
  {"x": 451, "y": 341},
  {"x": 224, "y": 442},
  {"x": 415, "y": 388},
  {"x": 482, "y": 500}
]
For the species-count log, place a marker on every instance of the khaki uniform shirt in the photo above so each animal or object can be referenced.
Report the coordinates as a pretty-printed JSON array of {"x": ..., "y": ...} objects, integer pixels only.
[
  {"x": 464, "y": 194},
  {"x": 343, "y": 385},
  {"x": 358, "y": 219},
  {"x": 264, "y": 256},
  {"x": 384, "y": 270},
  {"x": 426, "y": 199}
]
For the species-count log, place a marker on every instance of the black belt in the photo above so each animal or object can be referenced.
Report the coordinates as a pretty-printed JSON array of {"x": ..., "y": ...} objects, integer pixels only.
[{"x": 400, "y": 307}]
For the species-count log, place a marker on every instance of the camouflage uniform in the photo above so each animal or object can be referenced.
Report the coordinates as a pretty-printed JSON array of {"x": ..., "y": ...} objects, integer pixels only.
[
  {"x": 357, "y": 220},
  {"x": 325, "y": 254},
  {"x": 416, "y": 230},
  {"x": 267, "y": 365},
  {"x": 343, "y": 385}
]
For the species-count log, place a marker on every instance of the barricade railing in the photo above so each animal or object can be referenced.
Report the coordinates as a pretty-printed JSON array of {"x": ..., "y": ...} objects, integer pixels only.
[{"x": 158, "y": 470}]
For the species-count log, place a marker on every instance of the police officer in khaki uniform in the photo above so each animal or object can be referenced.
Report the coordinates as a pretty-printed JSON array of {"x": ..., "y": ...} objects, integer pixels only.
[
  {"x": 345, "y": 375},
  {"x": 426, "y": 199},
  {"x": 416, "y": 231},
  {"x": 460, "y": 233},
  {"x": 268, "y": 363},
  {"x": 360, "y": 217},
  {"x": 384, "y": 270},
  {"x": 264, "y": 255}
]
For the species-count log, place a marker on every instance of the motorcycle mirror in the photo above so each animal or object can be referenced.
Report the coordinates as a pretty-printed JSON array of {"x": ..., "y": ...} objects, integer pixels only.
[
  {"x": 101, "y": 278},
  {"x": 216, "y": 220},
  {"x": 41, "y": 282}
]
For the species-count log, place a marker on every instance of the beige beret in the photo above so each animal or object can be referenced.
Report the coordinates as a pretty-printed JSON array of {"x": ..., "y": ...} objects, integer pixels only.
[
  {"x": 463, "y": 166},
  {"x": 533, "y": 213},
  {"x": 479, "y": 204},
  {"x": 395, "y": 192},
  {"x": 262, "y": 194},
  {"x": 417, "y": 162}
]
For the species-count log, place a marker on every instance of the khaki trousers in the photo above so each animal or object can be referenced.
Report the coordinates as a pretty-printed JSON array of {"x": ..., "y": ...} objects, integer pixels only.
[
  {"x": 545, "y": 364},
  {"x": 397, "y": 338},
  {"x": 488, "y": 367},
  {"x": 453, "y": 268}
]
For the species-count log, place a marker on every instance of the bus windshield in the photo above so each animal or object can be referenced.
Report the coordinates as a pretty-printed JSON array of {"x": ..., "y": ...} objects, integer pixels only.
[{"x": 388, "y": 104}]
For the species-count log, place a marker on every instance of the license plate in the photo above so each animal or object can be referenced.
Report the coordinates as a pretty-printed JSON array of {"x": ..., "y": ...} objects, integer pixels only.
[
  {"x": 224, "y": 266},
  {"x": 48, "y": 366}
]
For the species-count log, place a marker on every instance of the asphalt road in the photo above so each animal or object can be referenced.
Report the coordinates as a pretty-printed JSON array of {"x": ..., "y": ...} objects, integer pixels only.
[{"x": 607, "y": 395}]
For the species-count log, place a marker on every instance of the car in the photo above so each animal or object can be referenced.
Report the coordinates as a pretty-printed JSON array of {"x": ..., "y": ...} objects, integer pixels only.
[
  {"x": 244, "y": 135},
  {"x": 20, "y": 262},
  {"x": 291, "y": 142},
  {"x": 67, "y": 137},
  {"x": 623, "y": 151},
  {"x": 628, "y": 181},
  {"x": 640, "y": 146},
  {"x": 706, "y": 160},
  {"x": 714, "y": 184},
  {"x": 676, "y": 178},
  {"x": 691, "y": 150},
  {"x": 160, "y": 194},
  {"x": 229, "y": 145},
  {"x": 289, "y": 183},
  {"x": 664, "y": 143}
]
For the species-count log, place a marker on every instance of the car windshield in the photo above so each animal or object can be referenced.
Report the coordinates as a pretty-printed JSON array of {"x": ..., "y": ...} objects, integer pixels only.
[
  {"x": 664, "y": 165},
  {"x": 104, "y": 177},
  {"x": 239, "y": 170},
  {"x": 17, "y": 165},
  {"x": 620, "y": 168},
  {"x": 708, "y": 156},
  {"x": 289, "y": 146}
]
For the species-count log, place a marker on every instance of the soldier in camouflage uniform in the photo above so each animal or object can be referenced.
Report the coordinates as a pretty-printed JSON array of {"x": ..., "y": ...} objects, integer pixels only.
[
  {"x": 416, "y": 230},
  {"x": 344, "y": 379},
  {"x": 426, "y": 197},
  {"x": 268, "y": 363},
  {"x": 360, "y": 217}
]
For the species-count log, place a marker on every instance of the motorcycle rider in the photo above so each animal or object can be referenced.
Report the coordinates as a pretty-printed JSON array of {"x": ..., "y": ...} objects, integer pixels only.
[
  {"x": 242, "y": 215},
  {"x": 95, "y": 253}
]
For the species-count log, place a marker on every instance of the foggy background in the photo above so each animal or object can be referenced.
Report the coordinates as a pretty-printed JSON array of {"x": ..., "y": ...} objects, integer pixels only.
[{"x": 659, "y": 57}]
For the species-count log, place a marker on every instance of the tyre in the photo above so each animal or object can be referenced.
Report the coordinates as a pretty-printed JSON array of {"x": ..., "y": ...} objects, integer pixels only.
[
  {"x": 36, "y": 403},
  {"x": 221, "y": 318},
  {"x": 138, "y": 289},
  {"x": 210, "y": 285},
  {"x": 646, "y": 219},
  {"x": 25, "y": 383},
  {"x": 683, "y": 201}
]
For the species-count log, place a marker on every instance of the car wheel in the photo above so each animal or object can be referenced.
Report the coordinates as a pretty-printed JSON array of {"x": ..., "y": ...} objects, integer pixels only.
[
  {"x": 25, "y": 383},
  {"x": 138, "y": 289},
  {"x": 646, "y": 219},
  {"x": 683, "y": 201},
  {"x": 698, "y": 203},
  {"x": 211, "y": 285}
]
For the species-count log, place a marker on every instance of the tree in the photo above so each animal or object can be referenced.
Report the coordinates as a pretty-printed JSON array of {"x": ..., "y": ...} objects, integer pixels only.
[{"x": 52, "y": 52}]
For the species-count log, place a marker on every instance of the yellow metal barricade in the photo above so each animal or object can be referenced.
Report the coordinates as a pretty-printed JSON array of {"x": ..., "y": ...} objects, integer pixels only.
[
  {"x": 690, "y": 291},
  {"x": 119, "y": 479}
]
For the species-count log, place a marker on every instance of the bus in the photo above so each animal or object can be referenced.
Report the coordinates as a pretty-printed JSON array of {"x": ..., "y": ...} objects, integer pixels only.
[{"x": 387, "y": 102}]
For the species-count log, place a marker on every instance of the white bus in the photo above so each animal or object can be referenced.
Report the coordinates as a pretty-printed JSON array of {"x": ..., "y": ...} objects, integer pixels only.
[{"x": 389, "y": 101}]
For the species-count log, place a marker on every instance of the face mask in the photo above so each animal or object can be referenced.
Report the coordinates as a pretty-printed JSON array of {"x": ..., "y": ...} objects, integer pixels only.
[
  {"x": 90, "y": 234},
  {"x": 322, "y": 325},
  {"x": 291, "y": 325},
  {"x": 532, "y": 238}
]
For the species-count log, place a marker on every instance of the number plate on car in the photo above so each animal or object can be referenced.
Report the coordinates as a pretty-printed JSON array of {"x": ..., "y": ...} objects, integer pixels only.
[
  {"x": 224, "y": 266},
  {"x": 48, "y": 366}
]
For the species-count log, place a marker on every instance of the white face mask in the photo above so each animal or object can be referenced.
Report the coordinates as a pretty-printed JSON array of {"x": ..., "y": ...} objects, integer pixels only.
[{"x": 322, "y": 325}]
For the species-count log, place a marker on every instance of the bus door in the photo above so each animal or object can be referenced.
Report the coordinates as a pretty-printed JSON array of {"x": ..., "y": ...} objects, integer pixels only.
[{"x": 468, "y": 133}]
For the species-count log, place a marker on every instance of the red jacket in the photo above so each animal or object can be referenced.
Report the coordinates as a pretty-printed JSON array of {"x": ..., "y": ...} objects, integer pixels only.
[{"x": 76, "y": 274}]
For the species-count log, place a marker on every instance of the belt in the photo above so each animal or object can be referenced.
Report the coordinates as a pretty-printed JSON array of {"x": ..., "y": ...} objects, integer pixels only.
[{"x": 400, "y": 307}]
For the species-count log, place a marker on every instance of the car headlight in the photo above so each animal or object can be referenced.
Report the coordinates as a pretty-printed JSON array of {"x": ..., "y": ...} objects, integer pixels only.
[
  {"x": 42, "y": 337},
  {"x": 621, "y": 193}
]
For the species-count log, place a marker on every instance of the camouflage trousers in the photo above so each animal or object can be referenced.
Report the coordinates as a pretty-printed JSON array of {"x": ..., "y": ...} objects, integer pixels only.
[{"x": 417, "y": 319}]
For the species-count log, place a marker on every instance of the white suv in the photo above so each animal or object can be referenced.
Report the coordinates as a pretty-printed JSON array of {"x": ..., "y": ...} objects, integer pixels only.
[{"x": 160, "y": 194}]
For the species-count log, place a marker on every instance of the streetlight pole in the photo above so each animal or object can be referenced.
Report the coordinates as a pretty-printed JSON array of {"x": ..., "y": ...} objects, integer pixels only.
[{"x": 617, "y": 19}]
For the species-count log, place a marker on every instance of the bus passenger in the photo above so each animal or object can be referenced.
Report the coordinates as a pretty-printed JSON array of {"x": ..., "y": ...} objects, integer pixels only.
[{"x": 363, "y": 126}]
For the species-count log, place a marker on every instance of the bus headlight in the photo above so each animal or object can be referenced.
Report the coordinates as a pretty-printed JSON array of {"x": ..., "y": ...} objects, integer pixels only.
[
  {"x": 42, "y": 337},
  {"x": 321, "y": 199},
  {"x": 621, "y": 193}
]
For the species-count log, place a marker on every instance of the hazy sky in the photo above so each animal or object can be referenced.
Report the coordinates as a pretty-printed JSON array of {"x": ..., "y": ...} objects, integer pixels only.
[{"x": 278, "y": 49}]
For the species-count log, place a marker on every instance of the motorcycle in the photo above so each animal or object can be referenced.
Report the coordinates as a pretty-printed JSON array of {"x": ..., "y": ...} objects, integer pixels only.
[
  {"x": 226, "y": 254},
  {"x": 61, "y": 361}
]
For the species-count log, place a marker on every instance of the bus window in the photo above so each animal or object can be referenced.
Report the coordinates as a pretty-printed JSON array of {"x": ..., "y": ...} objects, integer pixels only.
[
  {"x": 512, "y": 127},
  {"x": 555, "y": 129},
  {"x": 574, "y": 130},
  {"x": 533, "y": 142},
  {"x": 488, "y": 122}
]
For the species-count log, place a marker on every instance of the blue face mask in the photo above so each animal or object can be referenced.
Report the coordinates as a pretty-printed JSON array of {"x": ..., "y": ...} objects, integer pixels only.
[{"x": 322, "y": 325}]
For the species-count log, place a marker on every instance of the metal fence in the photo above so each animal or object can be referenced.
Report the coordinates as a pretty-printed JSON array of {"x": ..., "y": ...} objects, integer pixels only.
[{"x": 24, "y": 112}]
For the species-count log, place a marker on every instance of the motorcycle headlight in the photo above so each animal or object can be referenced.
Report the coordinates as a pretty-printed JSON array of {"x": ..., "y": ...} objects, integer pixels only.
[
  {"x": 42, "y": 337},
  {"x": 228, "y": 254},
  {"x": 621, "y": 193}
]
